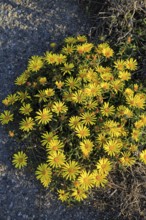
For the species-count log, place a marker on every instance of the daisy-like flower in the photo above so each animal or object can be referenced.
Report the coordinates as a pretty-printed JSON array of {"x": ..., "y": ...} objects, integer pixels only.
[
  {"x": 27, "y": 124},
  {"x": 21, "y": 80},
  {"x": 78, "y": 96},
  {"x": 72, "y": 83},
  {"x": 104, "y": 165},
  {"x": 44, "y": 173},
  {"x": 54, "y": 145},
  {"x": 42, "y": 80},
  {"x": 99, "y": 178},
  {"x": 41, "y": 95},
  {"x": 35, "y": 63},
  {"x": 120, "y": 64},
  {"x": 81, "y": 38},
  {"x": 56, "y": 159},
  {"x": 70, "y": 40},
  {"x": 59, "y": 84},
  {"x": 68, "y": 49},
  {"x": 91, "y": 104},
  {"x": 112, "y": 147},
  {"x": 127, "y": 160},
  {"x": 142, "y": 156},
  {"x": 135, "y": 134},
  {"x": 86, "y": 180},
  {"x": 70, "y": 170},
  {"x": 60, "y": 58},
  {"x": 138, "y": 124},
  {"x": 82, "y": 131},
  {"x": 25, "y": 109},
  {"x": 50, "y": 57},
  {"x": 6, "y": 117},
  {"x": 88, "y": 118},
  {"x": 143, "y": 118},
  {"x": 62, "y": 195},
  {"x": 43, "y": 116},
  {"x": 79, "y": 193},
  {"x": 86, "y": 147},
  {"x": 49, "y": 92},
  {"x": 139, "y": 102},
  {"x": 59, "y": 107},
  {"x": 124, "y": 75},
  {"x": 19, "y": 160},
  {"x": 101, "y": 46},
  {"x": 107, "y": 110},
  {"x": 92, "y": 90},
  {"x": 101, "y": 139},
  {"x": 117, "y": 85},
  {"x": 107, "y": 52},
  {"x": 47, "y": 137},
  {"x": 105, "y": 86},
  {"x": 106, "y": 76},
  {"x": 74, "y": 121},
  {"x": 84, "y": 48},
  {"x": 128, "y": 92},
  {"x": 131, "y": 64},
  {"x": 22, "y": 96},
  {"x": 11, "y": 99},
  {"x": 67, "y": 68}
]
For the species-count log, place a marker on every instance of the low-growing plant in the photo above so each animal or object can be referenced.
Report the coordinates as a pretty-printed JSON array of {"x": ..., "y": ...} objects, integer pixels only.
[{"x": 82, "y": 113}]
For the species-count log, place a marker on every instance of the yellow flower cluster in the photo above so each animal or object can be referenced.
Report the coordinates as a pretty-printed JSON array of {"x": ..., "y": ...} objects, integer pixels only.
[{"x": 80, "y": 107}]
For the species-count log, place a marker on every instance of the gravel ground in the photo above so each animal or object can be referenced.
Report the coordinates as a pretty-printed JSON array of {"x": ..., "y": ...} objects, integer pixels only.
[{"x": 27, "y": 28}]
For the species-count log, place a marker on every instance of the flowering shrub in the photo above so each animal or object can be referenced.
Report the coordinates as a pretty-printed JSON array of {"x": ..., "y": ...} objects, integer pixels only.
[{"x": 83, "y": 114}]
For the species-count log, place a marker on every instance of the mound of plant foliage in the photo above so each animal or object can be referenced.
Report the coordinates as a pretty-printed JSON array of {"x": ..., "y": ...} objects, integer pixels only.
[{"x": 83, "y": 115}]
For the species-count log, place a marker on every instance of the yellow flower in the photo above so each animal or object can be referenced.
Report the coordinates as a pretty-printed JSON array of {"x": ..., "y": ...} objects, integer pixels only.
[
  {"x": 10, "y": 99},
  {"x": 128, "y": 92},
  {"x": 54, "y": 145},
  {"x": 112, "y": 147},
  {"x": 131, "y": 64},
  {"x": 107, "y": 52},
  {"x": 49, "y": 92},
  {"x": 86, "y": 147},
  {"x": 78, "y": 96},
  {"x": 44, "y": 173},
  {"x": 22, "y": 96},
  {"x": 135, "y": 134},
  {"x": 41, "y": 95},
  {"x": 42, "y": 80},
  {"x": 102, "y": 46},
  {"x": 107, "y": 110},
  {"x": 56, "y": 159},
  {"x": 62, "y": 195},
  {"x": 72, "y": 83},
  {"x": 117, "y": 85},
  {"x": 106, "y": 76},
  {"x": 25, "y": 109},
  {"x": 44, "y": 116},
  {"x": 70, "y": 40},
  {"x": 126, "y": 159},
  {"x": 59, "y": 84},
  {"x": 120, "y": 64},
  {"x": 59, "y": 107},
  {"x": 142, "y": 156},
  {"x": 6, "y": 117},
  {"x": 47, "y": 137},
  {"x": 60, "y": 58},
  {"x": 88, "y": 118},
  {"x": 50, "y": 57},
  {"x": 69, "y": 49},
  {"x": 138, "y": 124},
  {"x": 21, "y": 80},
  {"x": 104, "y": 165},
  {"x": 139, "y": 102},
  {"x": 101, "y": 139},
  {"x": 86, "y": 180},
  {"x": 124, "y": 75},
  {"x": 99, "y": 179},
  {"x": 82, "y": 131},
  {"x": 143, "y": 118},
  {"x": 27, "y": 124},
  {"x": 74, "y": 121},
  {"x": 79, "y": 193},
  {"x": 91, "y": 105},
  {"x": 81, "y": 38},
  {"x": 70, "y": 170},
  {"x": 67, "y": 68},
  {"x": 35, "y": 63},
  {"x": 19, "y": 160},
  {"x": 92, "y": 90},
  {"x": 84, "y": 48}
]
